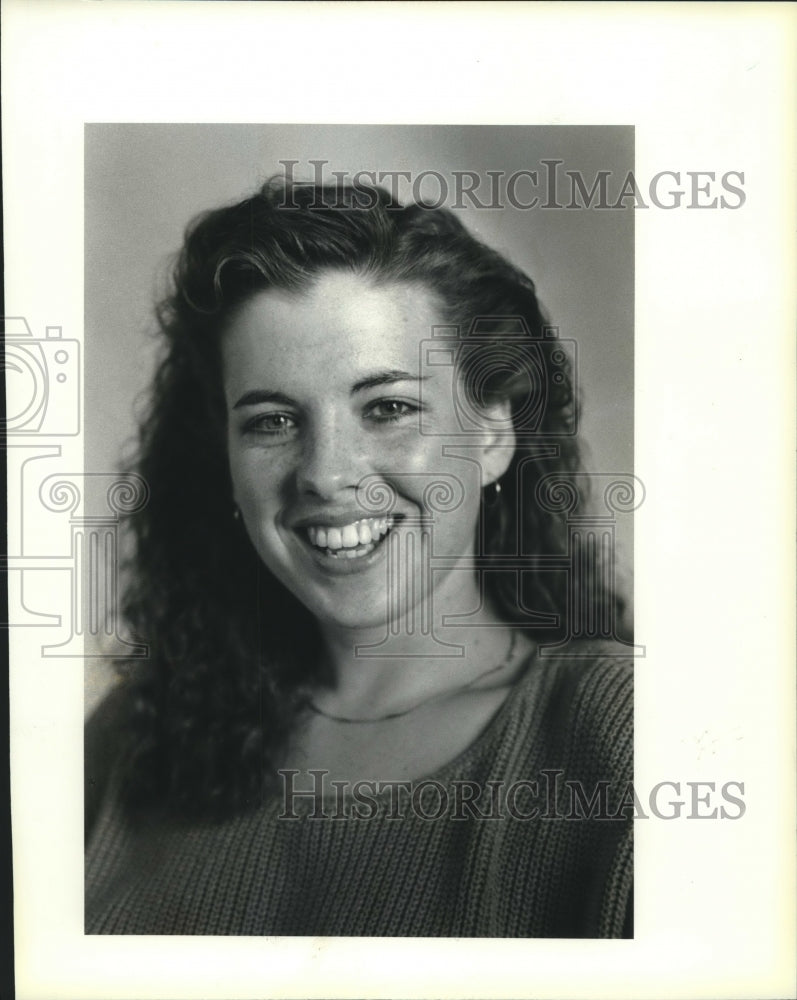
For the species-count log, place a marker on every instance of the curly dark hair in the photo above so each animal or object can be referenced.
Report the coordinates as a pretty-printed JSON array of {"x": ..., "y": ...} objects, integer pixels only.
[{"x": 233, "y": 655}]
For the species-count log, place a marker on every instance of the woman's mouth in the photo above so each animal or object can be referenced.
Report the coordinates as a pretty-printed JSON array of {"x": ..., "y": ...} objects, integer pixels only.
[{"x": 350, "y": 541}]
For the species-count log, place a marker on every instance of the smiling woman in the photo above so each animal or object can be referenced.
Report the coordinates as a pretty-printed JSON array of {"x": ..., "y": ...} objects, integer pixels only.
[
  {"x": 342, "y": 577},
  {"x": 298, "y": 453}
]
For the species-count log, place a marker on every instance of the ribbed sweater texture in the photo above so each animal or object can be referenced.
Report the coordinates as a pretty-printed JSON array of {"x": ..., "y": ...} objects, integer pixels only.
[{"x": 421, "y": 861}]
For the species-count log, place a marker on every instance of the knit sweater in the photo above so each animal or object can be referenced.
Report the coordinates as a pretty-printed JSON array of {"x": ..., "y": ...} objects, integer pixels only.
[{"x": 524, "y": 834}]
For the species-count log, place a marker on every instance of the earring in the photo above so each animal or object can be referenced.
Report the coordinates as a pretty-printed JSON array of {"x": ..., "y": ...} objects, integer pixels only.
[
  {"x": 236, "y": 514},
  {"x": 494, "y": 499}
]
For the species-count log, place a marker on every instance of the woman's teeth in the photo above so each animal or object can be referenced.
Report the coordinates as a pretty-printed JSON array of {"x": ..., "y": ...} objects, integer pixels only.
[{"x": 351, "y": 540}]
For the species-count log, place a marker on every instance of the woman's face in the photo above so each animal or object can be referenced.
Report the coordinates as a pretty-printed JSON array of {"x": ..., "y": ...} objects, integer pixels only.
[{"x": 326, "y": 392}]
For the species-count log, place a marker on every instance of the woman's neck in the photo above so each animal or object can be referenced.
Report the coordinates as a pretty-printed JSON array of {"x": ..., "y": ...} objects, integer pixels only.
[{"x": 378, "y": 668}]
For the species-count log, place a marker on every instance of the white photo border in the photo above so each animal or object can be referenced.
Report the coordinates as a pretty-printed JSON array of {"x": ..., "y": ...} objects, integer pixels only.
[{"x": 708, "y": 87}]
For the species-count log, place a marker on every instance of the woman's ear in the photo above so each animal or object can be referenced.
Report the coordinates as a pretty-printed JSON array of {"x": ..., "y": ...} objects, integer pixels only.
[{"x": 499, "y": 441}]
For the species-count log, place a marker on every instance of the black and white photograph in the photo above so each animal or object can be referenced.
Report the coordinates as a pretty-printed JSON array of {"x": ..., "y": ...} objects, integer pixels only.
[
  {"x": 385, "y": 387},
  {"x": 382, "y": 667}
]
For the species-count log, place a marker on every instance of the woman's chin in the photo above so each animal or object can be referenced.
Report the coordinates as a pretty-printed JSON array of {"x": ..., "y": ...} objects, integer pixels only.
[
  {"x": 365, "y": 628},
  {"x": 363, "y": 615}
]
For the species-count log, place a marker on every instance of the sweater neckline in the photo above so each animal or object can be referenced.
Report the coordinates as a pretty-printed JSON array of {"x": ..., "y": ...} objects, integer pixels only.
[{"x": 529, "y": 676}]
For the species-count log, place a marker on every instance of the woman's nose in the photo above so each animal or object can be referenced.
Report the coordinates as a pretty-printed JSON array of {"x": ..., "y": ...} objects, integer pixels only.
[{"x": 332, "y": 460}]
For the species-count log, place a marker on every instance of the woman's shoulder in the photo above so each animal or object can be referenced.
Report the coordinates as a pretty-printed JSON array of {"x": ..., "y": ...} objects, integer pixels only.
[
  {"x": 592, "y": 667},
  {"x": 602, "y": 713},
  {"x": 583, "y": 704}
]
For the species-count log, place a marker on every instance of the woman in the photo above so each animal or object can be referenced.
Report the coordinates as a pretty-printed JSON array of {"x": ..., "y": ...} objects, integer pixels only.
[{"x": 347, "y": 723}]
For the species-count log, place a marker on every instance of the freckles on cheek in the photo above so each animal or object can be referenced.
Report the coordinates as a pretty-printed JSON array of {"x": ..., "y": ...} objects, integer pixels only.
[
  {"x": 412, "y": 467},
  {"x": 410, "y": 452},
  {"x": 428, "y": 464},
  {"x": 260, "y": 481}
]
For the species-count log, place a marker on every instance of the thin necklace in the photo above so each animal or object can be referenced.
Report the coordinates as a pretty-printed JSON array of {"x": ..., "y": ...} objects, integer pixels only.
[{"x": 427, "y": 701}]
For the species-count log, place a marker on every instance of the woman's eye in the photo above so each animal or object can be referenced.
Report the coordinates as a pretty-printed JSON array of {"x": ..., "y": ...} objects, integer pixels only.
[
  {"x": 273, "y": 424},
  {"x": 387, "y": 410}
]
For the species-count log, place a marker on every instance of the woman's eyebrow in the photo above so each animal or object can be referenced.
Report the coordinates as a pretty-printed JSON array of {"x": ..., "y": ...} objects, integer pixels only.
[
  {"x": 386, "y": 378},
  {"x": 256, "y": 396}
]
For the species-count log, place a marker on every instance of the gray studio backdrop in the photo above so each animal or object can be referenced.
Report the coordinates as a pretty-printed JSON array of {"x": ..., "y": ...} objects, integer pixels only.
[{"x": 143, "y": 183}]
